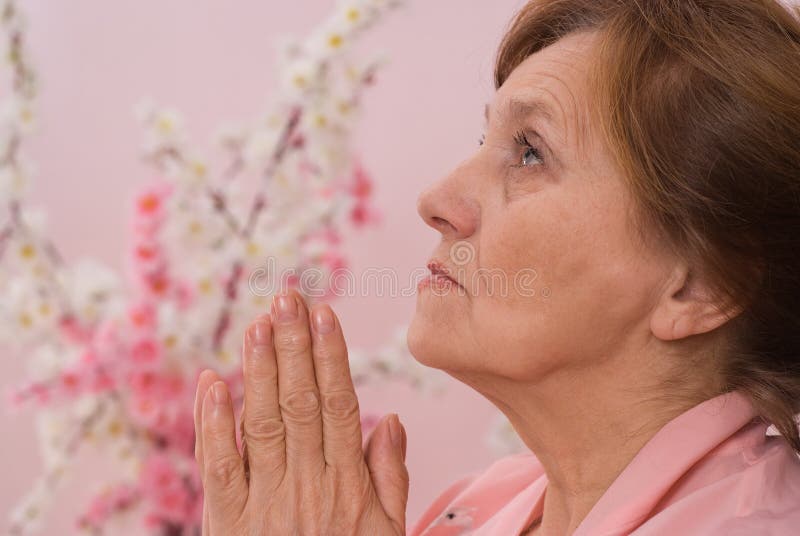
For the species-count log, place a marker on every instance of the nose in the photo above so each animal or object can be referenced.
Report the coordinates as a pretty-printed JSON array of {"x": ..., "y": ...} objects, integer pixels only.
[{"x": 447, "y": 207}]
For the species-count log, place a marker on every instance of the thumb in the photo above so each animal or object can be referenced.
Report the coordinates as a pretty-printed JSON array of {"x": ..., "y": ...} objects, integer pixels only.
[{"x": 385, "y": 456}]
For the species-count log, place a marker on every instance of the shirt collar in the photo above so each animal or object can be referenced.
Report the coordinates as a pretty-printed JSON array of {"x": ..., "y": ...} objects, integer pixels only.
[{"x": 670, "y": 453}]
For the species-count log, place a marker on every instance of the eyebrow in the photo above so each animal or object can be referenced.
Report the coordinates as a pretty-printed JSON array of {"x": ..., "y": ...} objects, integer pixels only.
[{"x": 522, "y": 107}]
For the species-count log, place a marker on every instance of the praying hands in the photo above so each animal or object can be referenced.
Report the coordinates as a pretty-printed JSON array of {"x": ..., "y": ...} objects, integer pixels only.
[{"x": 302, "y": 469}]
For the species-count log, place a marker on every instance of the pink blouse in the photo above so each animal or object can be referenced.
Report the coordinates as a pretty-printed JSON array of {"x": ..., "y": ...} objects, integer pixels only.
[{"x": 710, "y": 471}]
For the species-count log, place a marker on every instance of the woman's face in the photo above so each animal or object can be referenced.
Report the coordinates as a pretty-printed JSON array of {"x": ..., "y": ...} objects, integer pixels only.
[{"x": 535, "y": 227}]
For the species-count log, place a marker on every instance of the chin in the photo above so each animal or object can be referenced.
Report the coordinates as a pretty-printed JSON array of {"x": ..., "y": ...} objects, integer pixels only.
[{"x": 426, "y": 343}]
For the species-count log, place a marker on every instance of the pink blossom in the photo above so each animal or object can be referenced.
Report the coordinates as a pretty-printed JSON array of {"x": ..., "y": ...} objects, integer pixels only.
[
  {"x": 101, "y": 381},
  {"x": 327, "y": 192},
  {"x": 142, "y": 316},
  {"x": 173, "y": 387},
  {"x": 146, "y": 351},
  {"x": 158, "y": 473},
  {"x": 145, "y": 410},
  {"x": 148, "y": 204},
  {"x": 361, "y": 187},
  {"x": 184, "y": 294},
  {"x": 106, "y": 344},
  {"x": 73, "y": 331},
  {"x": 166, "y": 491},
  {"x": 173, "y": 504},
  {"x": 88, "y": 357},
  {"x": 143, "y": 383},
  {"x": 333, "y": 260},
  {"x": 149, "y": 208},
  {"x": 40, "y": 392},
  {"x": 362, "y": 214},
  {"x": 156, "y": 284},
  {"x": 147, "y": 257},
  {"x": 179, "y": 432},
  {"x": 70, "y": 382},
  {"x": 106, "y": 504}
]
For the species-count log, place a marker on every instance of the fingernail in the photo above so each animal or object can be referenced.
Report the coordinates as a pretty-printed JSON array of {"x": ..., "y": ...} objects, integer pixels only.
[
  {"x": 286, "y": 307},
  {"x": 323, "y": 319},
  {"x": 259, "y": 332},
  {"x": 220, "y": 393},
  {"x": 395, "y": 431}
]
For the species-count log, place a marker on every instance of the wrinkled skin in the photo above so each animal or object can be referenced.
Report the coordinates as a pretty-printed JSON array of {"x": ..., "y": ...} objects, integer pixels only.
[{"x": 303, "y": 469}]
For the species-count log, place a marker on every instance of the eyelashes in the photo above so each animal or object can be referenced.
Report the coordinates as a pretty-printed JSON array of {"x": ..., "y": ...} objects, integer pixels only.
[
  {"x": 532, "y": 155},
  {"x": 531, "y": 151}
]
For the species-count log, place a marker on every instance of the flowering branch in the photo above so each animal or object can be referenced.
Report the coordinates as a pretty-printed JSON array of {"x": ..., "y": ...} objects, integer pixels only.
[{"x": 114, "y": 360}]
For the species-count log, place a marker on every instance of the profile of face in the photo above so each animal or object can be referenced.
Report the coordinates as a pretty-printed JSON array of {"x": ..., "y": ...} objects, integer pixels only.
[{"x": 535, "y": 227}]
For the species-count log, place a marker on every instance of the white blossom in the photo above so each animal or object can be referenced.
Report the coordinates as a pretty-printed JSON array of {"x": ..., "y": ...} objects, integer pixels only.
[
  {"x": 47, "y": 361},
  {"x": 14, "y": 183},
  {"x": 92, "y": 288},
  {"x": 17, "y": 112},
  {"x": 259, "y": 147},
  {"x": 27, "y": 517}
]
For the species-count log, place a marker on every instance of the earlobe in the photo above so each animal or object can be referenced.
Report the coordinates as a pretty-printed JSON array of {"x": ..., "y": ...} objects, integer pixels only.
[
  {"x": 669, "y": 323},
  {"x": 687, "y": 307}
]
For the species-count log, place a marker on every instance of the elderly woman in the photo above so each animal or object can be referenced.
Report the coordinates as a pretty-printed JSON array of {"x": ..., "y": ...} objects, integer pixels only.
[{"x": 643, "y": 157}]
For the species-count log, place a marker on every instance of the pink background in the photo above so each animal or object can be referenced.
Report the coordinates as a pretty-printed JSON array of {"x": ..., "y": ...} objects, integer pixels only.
[{"x": 212, "y": 60}]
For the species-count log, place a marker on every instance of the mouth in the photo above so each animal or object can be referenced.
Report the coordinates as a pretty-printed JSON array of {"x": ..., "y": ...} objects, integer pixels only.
[{"x": 439, "y": 278}]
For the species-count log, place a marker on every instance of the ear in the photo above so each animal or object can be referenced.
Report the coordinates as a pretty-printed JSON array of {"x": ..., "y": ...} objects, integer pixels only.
[{"x": 687, "y": 307}]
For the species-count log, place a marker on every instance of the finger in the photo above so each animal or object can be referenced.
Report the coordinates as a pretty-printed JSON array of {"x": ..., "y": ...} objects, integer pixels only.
[
  {"x": 341, "y": 423},
  {"x": 224, "y": 481},
  {"x": 206, "y": 379},
  {"x": 385, "y": 458},
  {"x": 262, "y": 426},
  {"x": 297, "y": 387},
  {"x": 204, "y": 382}
]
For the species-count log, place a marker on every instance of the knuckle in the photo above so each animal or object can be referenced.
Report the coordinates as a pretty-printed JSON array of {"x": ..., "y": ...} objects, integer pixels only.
[
  {"x": 341, "y": 405},
  {"x": 301, "y": 405},
  {"x": 264, "y": 430},
  {"x": 224, "y": 471},
  {"x": 257, "y": 361},
  {"x": 293, "y": 340}
]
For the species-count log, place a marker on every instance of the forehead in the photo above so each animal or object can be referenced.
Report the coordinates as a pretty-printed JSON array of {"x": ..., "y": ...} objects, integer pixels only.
[{"x": 552, "y": 84}]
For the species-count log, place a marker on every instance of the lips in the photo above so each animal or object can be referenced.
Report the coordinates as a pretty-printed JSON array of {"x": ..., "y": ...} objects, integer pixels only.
[{"x": 440, "y": 275}]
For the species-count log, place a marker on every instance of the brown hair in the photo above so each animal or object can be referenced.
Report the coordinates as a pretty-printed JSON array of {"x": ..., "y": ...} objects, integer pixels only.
[{"x": 699, "y": 100}]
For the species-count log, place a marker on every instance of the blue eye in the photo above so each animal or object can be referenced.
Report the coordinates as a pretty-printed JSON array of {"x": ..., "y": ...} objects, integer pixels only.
[{"x": 532, "y": 155}]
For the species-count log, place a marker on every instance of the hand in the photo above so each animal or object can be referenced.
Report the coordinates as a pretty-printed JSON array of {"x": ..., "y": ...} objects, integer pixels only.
[{"x": 303, "y": 470}]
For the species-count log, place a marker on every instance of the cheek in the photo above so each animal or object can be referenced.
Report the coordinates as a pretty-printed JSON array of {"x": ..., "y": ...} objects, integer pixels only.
[
  {"x": 513, "y": 317},
  {"x": 583, "y": 287},
  {"x": 532, "y": 244}
]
